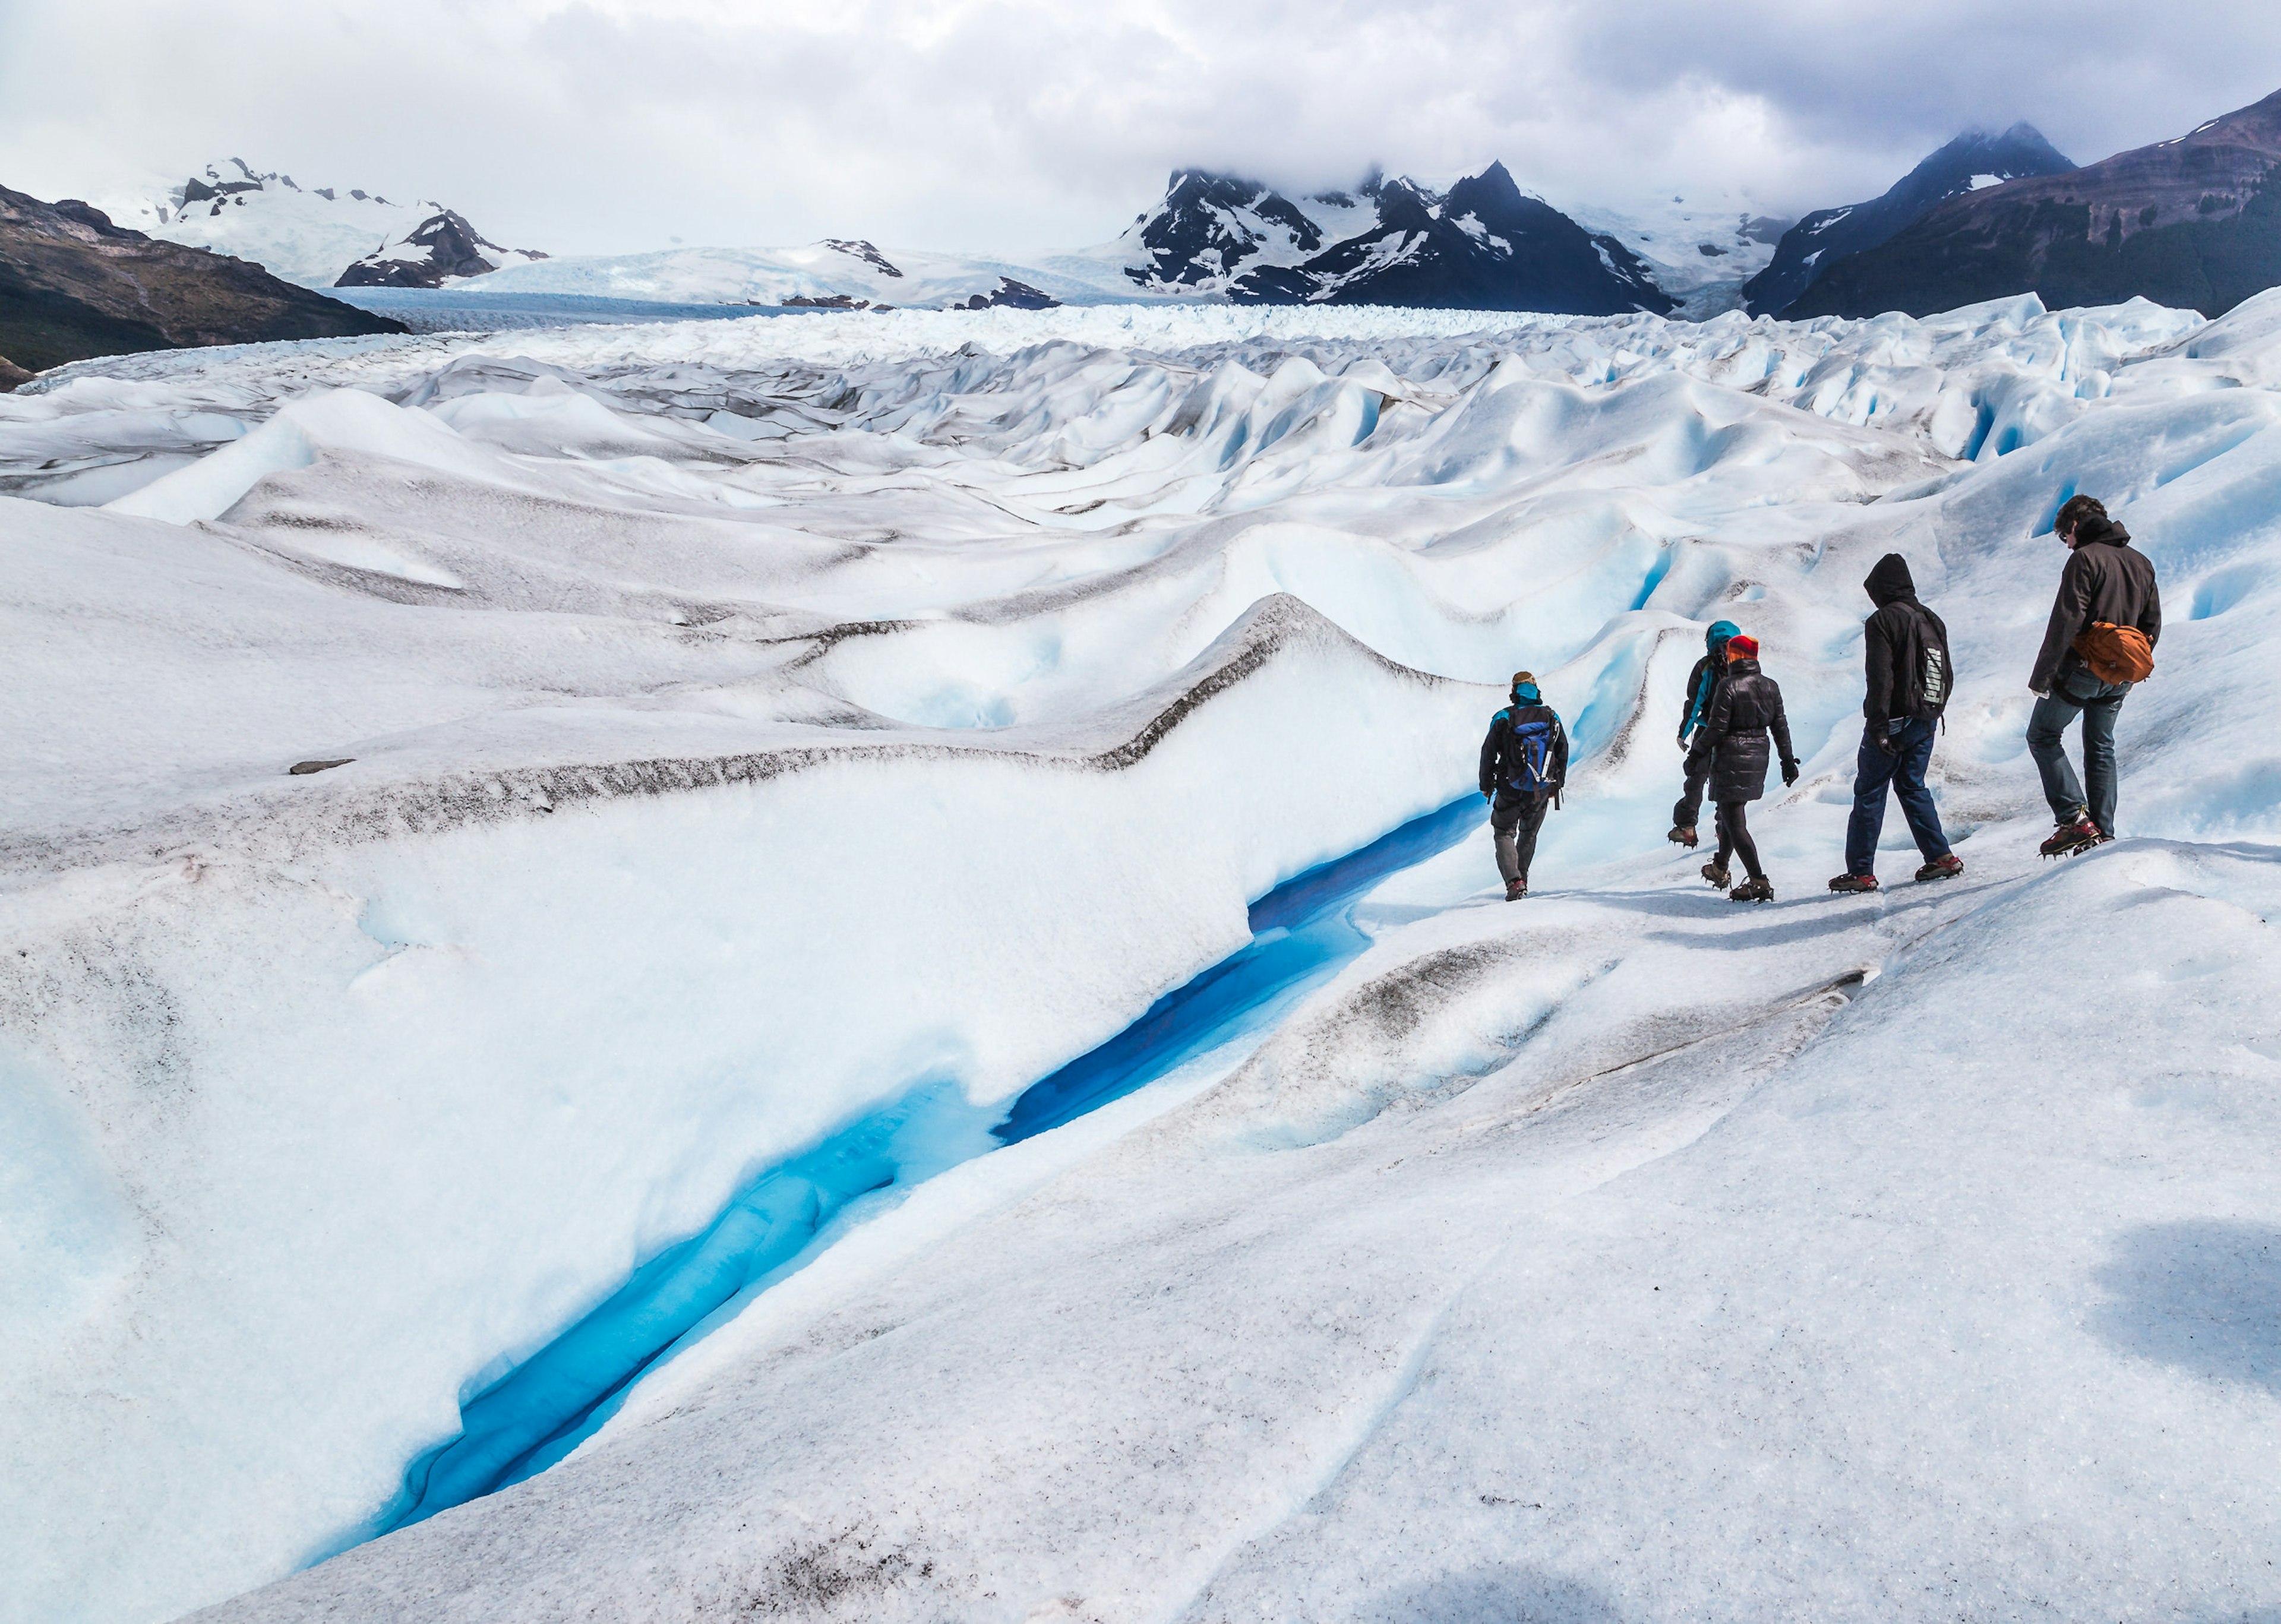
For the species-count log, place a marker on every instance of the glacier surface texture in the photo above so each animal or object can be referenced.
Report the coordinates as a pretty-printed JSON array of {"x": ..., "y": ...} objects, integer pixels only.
[{"x": 895, "y": 1004}]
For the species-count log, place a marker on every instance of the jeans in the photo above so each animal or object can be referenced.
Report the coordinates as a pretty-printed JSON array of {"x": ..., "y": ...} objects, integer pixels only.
[
  {"x": 1515, "y": 818},
  {"x": 2078, "y": 694},
  {"x": 1902, "y": 768}
]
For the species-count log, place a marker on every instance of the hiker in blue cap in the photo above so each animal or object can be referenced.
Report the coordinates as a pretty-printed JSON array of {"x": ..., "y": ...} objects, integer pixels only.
[
  {"x": 1702, "y": 687},
  {"x": 1524, "y": 763}
]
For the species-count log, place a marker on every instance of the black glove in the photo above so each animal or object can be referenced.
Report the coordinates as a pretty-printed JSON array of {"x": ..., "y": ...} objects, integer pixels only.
[
  {"x": 1789, "y": 774},
  {"x": 1489, "y": 798}
]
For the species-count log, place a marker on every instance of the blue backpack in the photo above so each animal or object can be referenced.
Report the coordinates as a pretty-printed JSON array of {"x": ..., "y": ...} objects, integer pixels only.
[{"x": 1529, "y": 767}]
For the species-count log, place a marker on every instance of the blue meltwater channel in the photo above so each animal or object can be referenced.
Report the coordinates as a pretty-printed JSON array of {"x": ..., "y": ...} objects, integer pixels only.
[{"x": 1303, "y": 932}]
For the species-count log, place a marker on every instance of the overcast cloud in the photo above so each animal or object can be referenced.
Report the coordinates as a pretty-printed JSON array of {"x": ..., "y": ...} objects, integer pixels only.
[{"x": 603, "y": 126}]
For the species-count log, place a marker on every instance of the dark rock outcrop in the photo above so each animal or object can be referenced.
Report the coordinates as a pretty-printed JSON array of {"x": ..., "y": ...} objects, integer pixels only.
[
  {"x": 1822, "y": 238},
  {"x": 74, "y": 285},
  {"x": 857, "y": 248},
  {"x": 1011, "y": 295},
  {"x": 2194, "y": 223},
  {"x": 442, "y": 248}
]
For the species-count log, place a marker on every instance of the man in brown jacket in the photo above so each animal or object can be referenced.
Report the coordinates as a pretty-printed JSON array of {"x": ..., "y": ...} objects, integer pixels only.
[{"x": 2107, "y": 580}]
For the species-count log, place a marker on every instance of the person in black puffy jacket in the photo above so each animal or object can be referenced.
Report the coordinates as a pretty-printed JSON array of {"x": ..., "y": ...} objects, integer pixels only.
[{"x": 1732, "y": 745}]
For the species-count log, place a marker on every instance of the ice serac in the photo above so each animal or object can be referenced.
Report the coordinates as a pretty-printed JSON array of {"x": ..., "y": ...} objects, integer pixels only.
[
  {"x": 1972, "y": 162},
  {"x": 72, "y": 285},
  {"x": 2192, "y": 222}
]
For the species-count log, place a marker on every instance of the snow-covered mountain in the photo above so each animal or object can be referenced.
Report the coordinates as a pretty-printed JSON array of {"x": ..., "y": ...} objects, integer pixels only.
[
  {"x": 442, "y": 249},
  {"x": 1975, "y": 161},
  {"x": 310, "y": 236},
  {"x": 838, "y": 273},
  {"x": 1484, "y": 244},
  {"x": 884, "y": 979}
]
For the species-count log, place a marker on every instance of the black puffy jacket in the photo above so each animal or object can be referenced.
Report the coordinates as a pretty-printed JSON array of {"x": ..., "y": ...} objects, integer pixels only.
[{"x": 1733, "y": 742}]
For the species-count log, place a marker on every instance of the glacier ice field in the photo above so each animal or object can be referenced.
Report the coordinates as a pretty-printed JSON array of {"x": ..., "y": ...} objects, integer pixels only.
[{"x": 898, "y": 1006}]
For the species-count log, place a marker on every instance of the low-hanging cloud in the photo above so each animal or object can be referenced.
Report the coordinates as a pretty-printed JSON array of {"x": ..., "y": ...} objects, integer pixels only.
[{"x": 588, "y": 125}]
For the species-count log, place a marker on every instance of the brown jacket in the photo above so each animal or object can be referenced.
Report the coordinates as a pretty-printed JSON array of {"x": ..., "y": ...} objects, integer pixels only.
[{"x": 2106, "y": 579}]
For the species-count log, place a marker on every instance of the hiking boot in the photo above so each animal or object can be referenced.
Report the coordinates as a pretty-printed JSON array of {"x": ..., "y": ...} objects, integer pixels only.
[
  {"x": 1683, "y": 833},
  {"x": 2079, "y": 834},
  {"x": 1941, "y": 867},
  {"x": 1716, "y": 875},
  {"x": 1859, "y": 882},
  {"x": 1759, "y": 890},
  {"x": 1515, "y": 889}
]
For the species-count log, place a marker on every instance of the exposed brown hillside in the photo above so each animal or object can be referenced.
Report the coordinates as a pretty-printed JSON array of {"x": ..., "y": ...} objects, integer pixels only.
[{"x": 72, "y": 285}]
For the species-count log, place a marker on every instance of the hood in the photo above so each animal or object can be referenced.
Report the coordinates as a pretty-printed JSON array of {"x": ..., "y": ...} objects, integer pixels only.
[
  {"x": 1715, "y": 638},
  {"x": 1525, "y": 693},
  {"x": 1891, "y": 581},
  {"x": 2098, "y": 531}
]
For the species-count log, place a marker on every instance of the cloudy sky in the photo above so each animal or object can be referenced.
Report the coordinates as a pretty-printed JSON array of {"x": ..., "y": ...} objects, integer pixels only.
[{"x": 599, "y": 126}]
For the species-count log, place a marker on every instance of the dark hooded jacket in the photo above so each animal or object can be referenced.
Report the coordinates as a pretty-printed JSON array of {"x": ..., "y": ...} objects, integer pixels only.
[
  {"x": 2106, "y": 579},
  {"x": 1501, "y": 754},
  {"x": 1733, "y": 741},
  {"x": 1902, "y": 682},
  {"x": 1703, "y": 680}
]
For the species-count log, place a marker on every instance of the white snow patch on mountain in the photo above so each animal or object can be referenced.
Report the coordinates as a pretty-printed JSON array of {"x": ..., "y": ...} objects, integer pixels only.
[
  {"x": 304, "y": 235},
  {"x": 757, "y": 727}
]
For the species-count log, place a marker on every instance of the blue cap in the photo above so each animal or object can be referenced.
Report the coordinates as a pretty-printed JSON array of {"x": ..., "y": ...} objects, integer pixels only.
[
  {"x": 1720, "y": 631},
  {"x": 1527, "y": 693}
]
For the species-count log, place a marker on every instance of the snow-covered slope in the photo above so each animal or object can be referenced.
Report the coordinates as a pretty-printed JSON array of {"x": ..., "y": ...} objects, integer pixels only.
[
  {"x": 1700, "y": 247},
  {"x": 788, "y": 739},
  {"x": 836, "y": 271},
  {"x": 311, "y": 236}
]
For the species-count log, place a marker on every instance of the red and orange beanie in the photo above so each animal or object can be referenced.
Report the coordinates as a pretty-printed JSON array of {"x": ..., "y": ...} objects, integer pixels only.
[{"x": 1742, "y": 646}]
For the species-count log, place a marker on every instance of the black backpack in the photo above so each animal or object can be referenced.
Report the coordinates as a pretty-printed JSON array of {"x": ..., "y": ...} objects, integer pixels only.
[{"x": 1932, "y": 676}]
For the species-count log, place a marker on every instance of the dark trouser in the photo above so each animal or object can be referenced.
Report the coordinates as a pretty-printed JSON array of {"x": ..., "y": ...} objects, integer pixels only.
[
  {"x": 1689, "y": 806},
  {"x": 2079, "y": 692},
  {"x": 1902, "y": 769},
  {"x": 1516, "y": 818},
  {"x": 1734, "y": 838}
]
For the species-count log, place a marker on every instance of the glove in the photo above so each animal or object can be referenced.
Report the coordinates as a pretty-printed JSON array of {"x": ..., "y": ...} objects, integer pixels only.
[
  {"x": 1489, "y": 798},
  {"x": 1789, "y": 774},
  {"x": 1682, "y": 741}
]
